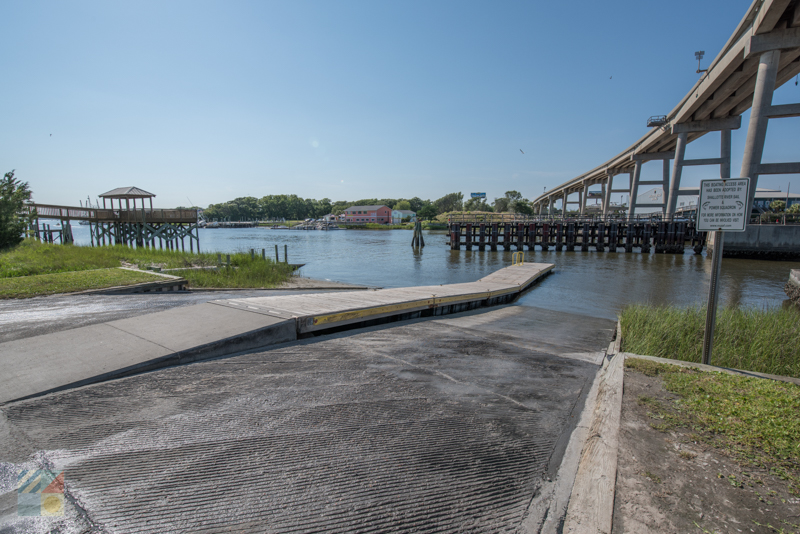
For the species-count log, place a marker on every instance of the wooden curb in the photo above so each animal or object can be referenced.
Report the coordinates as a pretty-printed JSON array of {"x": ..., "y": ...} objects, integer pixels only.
[{"x": 591, "y": 505}]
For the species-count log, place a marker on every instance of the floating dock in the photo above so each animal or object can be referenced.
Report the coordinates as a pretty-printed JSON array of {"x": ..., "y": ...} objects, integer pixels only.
[
  {"x": 314, "y": 313},
  {"x": 72, "y": 358}
]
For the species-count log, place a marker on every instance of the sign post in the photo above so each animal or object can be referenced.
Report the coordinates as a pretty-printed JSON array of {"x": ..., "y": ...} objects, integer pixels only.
[{"x": 722, "y": 208}]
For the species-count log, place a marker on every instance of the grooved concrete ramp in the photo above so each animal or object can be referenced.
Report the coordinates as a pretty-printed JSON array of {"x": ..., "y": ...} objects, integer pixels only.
[
  {"x": 91, "y": 354},
  {"x": 439, "y": 425}
]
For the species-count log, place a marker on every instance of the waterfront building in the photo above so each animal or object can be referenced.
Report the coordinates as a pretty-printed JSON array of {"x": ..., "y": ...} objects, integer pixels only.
[
  {"x": 368, "y": 214},
  {"x": 400, "y": 216}
]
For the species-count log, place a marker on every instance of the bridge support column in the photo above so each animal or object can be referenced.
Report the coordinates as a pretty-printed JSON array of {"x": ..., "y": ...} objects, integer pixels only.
[
  {"x": 607, "y": 194},
  {"x": 552, "y": 200},
  {"x": 725, "y": 154},
  {"x": 585, "y": 196},
  {"x": 677, "y": 170},
  {"x": 637, "y": 171},
  {"x": 759, "y": 118},
  {"x": 665, "y": 178}
]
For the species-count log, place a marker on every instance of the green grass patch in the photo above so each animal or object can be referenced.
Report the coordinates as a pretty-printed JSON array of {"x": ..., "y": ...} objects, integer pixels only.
[
  {"x": 753, "y": 339},
  {"x": 753, "y": 419},
  {"x": 33, "y": 258},
  {"x": 243, "y": 272},
  {"x": 49, "y": 284}
]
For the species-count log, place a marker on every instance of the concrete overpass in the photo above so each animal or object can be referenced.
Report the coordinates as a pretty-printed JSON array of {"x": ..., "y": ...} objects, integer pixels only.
[{"x": 762, "y": 53}]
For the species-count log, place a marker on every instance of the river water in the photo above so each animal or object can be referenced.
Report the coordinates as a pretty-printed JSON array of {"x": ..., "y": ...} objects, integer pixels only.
[{"x": 592, "y": 283}]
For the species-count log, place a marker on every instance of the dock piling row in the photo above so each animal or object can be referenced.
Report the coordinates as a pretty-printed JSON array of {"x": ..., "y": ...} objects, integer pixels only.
[{"x": 666, "y": 236}]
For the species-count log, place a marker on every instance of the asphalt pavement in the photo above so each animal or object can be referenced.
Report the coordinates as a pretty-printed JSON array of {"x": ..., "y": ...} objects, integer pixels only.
[{"x": 432, "y": 425}]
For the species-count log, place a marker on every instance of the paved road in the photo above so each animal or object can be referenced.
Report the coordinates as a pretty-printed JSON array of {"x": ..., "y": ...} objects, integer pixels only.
[{"x": 434, "y": 425}]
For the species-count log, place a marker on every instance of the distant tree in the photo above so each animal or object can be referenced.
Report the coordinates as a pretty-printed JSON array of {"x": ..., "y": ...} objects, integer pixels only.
[
  {"x": 417, "y": 204},
  {"x": 13, "y": 197},
  {"x": 339, "y": 206},
  {"x": 427, "y": 212},
  {"x": 500, "y": 204},
  {"x": 794, "y": 208},
  {"x": 523, "y": 207},
  {"x": 477, "y": 204},
  {"x": 402, "y": 205},
  {"x": 513, "y": 195},
  {"x": 777, "y": 205},
  {"x": 450, "y": 202}
]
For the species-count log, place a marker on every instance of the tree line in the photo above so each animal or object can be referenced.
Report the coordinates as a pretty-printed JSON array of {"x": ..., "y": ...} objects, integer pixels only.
[{"x": 292, "y": 207}]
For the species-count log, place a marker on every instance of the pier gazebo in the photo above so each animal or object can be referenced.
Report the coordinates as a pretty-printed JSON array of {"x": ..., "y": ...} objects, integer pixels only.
[{"x": 127, "y": 193}]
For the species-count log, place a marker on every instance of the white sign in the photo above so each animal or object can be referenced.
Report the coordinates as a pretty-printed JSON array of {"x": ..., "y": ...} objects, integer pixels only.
[{"x": 723, "y": 205}]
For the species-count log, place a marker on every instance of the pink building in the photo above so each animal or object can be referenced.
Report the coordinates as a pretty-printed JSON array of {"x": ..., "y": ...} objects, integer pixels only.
[{"x": 368, "y": 214}]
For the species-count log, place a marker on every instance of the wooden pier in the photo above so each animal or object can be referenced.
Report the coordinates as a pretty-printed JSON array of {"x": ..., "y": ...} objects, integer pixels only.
[
  {"x": 662, "y": 236},
  {"x": 158, "y": 228},
  {"x": 131, "y": 226}
]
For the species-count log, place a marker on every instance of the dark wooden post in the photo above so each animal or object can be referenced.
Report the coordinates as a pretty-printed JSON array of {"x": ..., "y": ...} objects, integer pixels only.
[
  {"x": 469, "y": 236},
  {"x": 612, "y": 237},
  {"x": 482, "y": 236},
  {"x": 600, "y": 245},
  {"x": 571, "y": 237},
  {"x": 546, "y": 236},
  {"x": 559, "y": 236}
]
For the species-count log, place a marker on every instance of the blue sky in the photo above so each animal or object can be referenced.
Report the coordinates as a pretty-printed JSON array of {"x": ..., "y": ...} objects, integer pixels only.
[{"x": 347, "y": 100}]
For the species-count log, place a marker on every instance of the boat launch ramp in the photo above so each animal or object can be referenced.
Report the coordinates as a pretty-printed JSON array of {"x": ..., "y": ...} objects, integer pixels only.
[{"x": 81, "y": 356}]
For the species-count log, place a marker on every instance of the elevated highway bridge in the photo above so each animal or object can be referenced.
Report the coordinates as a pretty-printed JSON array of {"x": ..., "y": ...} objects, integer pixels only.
[{"x": 762, "y": 54}]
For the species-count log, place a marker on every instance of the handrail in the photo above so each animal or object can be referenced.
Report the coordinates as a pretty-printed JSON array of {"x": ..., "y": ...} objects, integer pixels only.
[{"x": 46, "y": 211}]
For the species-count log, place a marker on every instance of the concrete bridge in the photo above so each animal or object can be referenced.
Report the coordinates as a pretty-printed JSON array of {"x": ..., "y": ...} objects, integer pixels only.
[{"x": 762, "y": 53}]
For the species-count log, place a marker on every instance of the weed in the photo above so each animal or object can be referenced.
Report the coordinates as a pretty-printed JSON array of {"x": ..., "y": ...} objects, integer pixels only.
[{"x": 753, "y": 339}]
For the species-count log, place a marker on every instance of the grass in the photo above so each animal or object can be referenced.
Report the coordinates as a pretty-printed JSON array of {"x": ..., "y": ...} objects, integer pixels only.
[
  {"x": 32, "y": 258},
  {"x": 752, "y": 339},
  {"x": 243, "y": 272},
  {"x": 753, "y": 419},
  {"x": 48, "y": 284}
]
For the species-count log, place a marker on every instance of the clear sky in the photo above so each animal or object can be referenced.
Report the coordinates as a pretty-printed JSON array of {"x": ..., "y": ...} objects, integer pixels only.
[{"x": 347, "y": 99}]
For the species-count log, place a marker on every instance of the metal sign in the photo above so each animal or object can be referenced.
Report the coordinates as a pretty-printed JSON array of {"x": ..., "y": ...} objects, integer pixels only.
[
  {"x": 478, "y": 195},
  {"x": 594, "y": 194},
  {"x": 723, "y": 205}
]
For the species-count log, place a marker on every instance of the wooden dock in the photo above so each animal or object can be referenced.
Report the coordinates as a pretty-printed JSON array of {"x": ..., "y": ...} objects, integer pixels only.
[
  {"x": 599, "y": 234},
  {"x": 320, "y": 312}
]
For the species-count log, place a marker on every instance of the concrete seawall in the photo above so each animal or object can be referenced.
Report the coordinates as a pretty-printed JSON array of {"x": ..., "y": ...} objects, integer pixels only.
[{"x": 768, "y": 241}]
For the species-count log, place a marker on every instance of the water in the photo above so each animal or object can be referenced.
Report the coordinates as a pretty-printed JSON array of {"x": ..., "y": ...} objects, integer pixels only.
[{"x": 591, "y": 283}]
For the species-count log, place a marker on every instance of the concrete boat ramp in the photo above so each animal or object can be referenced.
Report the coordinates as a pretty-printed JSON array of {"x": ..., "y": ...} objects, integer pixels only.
[{"x": 81, "y": 356}]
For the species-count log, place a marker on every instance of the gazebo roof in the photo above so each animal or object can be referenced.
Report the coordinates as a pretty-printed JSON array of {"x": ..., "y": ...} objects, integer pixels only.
[{"x": 127, "y": 192}]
